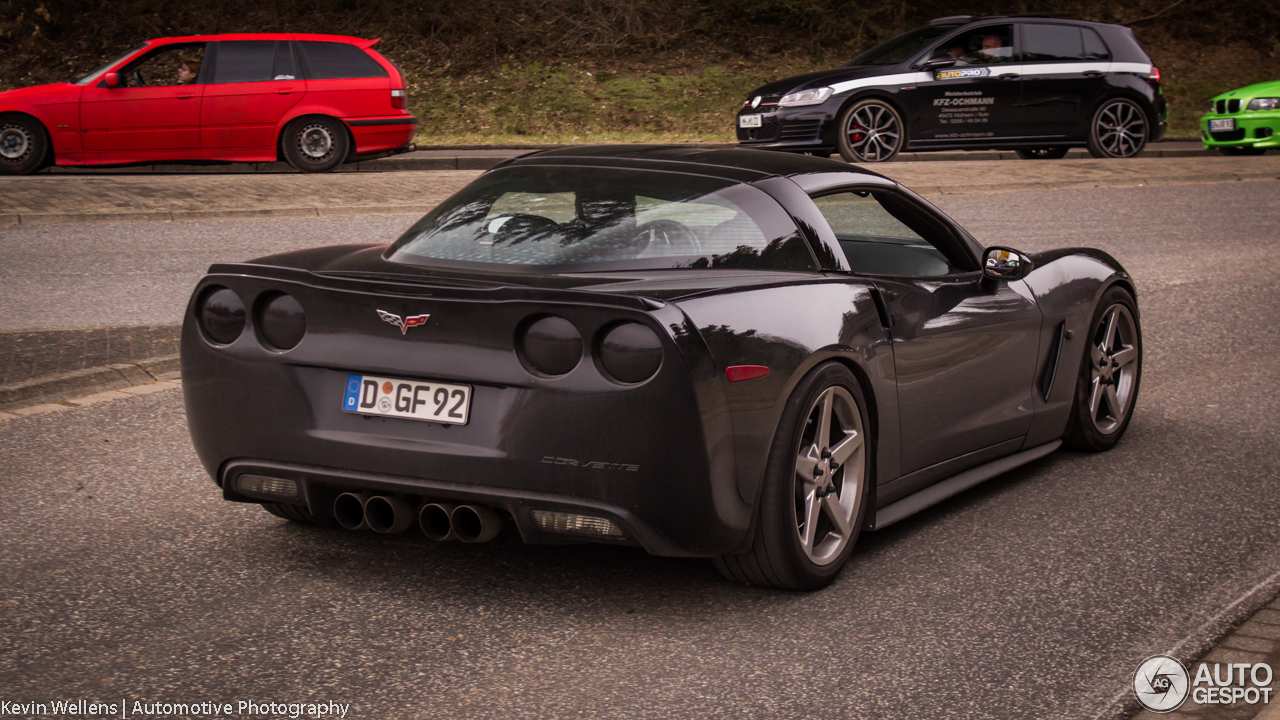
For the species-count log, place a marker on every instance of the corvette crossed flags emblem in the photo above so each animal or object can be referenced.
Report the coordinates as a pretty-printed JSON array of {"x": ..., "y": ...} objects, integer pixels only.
[{"x": 403, "y": 323}]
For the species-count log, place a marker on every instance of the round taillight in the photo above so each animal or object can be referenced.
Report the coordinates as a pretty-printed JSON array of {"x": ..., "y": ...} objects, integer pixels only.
[
  {"x": 282, "y": 322},
  {"x": 221, "y": 315},
  {"x": 551, "y": 346},
  {"x": 631, "y": 353}
]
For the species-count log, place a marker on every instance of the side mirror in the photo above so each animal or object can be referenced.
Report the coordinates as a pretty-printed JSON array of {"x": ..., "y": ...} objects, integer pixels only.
[
  {"x": 1000, "y": 263},
  {"x": 111, "y": 79},
  {"x": 938, "y": 63}
]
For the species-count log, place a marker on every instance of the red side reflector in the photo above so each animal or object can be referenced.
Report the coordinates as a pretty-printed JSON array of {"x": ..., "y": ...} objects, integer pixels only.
[
  {"x": 738, "y": 373},
  {"x": 1155, "y": 75}
]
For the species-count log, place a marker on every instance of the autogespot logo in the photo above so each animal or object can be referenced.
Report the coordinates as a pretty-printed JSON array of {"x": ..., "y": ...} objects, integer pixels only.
[{"x": 1161, "y": 684}]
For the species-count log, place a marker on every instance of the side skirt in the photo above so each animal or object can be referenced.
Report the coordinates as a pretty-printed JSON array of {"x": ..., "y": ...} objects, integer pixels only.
[{"x": 936, "y": 493}]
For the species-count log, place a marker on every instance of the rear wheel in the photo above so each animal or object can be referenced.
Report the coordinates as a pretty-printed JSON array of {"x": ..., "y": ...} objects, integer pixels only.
[
  {"x": 1107, "y": 385},
  {"x": 315, "y": 144},
  {"x": 870, "y": 131},
  {"x": 1048, "y": 153},
  {"x": 815, "y": 489},
  {"x": 294, "y": 513},
  {"x": 1118, "y": 130},
  {"x": 1242, "y": 150},
  {"x": 24, "y": 144}
]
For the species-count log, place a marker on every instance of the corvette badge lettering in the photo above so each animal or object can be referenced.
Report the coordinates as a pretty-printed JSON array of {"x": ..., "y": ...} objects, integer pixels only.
[{"x": 403, "y": 323}]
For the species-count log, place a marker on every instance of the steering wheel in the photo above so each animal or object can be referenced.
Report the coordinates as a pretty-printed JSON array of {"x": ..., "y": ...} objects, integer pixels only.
[
  {"x": 667, "y": 237},
  {"x": 517, "y": 228}
]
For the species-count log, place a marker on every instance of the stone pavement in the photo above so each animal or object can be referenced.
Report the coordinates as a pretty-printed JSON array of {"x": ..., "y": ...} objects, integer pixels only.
[
  {"x": 63, "y": 199},
  {"x": 1255, "y": 641},
  {"x": 27, "y": 356}
]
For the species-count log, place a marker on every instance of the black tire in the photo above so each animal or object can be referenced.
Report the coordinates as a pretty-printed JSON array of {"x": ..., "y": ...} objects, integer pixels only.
[
  {"x": 1119, "y": 129},
  {"x": 1242, "y": 150},
  {"x": 1047, "y": 153},
  {"x": 779, "y": 556},
  {"x": 871, "y": 131},
  {"x": 295, "y": 513},
  {"x": 24, "y": 144},
  {"x": 315, "y": 144},
  {"x": 1088, "y": 431}
]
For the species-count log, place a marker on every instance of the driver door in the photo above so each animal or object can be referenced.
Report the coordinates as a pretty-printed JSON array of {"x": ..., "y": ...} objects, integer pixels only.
[
  {"x": 148, "y": 114},
  {"x": 964, "y": 347}
]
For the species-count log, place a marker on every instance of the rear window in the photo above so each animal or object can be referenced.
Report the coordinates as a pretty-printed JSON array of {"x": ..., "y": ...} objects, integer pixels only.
[
  {"x": 241, "y": 61},
  {"x": 1062, "y": 43},
  {"x": 338, "y": 61},
  {"x": 564, "y": 219}
]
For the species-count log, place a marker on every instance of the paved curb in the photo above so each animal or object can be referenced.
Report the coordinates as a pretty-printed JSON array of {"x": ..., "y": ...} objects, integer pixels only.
[
  {"x": 147, "y": 388},
  {"x": 90, "y": 380},
  {"x": 306, "y": 211},
  {"x": 1203, "y": 643}
]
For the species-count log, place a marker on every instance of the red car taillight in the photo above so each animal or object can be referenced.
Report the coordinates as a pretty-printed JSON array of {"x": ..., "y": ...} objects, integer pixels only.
[
  {"x": 400, "y": 99},
  {"x": 1154, "y": 77}
]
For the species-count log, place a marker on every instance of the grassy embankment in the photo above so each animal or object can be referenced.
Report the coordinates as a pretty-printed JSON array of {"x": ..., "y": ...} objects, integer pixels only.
[{"x": 555, "y": 71}]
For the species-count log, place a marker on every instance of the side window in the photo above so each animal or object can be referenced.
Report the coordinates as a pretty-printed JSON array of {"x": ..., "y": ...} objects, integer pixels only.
[
  {"x": 285, "y": 68},
  {"x": 982, "y": 46},
  {"x": 1094, "y": 48},
  {"x": 880, "y": 236},
  {"x": 1046, "y": 43},
  {"x": 337, "y": 61},
  {"x": 168, "y": 65},
  {"x": 241, "y": 61}
]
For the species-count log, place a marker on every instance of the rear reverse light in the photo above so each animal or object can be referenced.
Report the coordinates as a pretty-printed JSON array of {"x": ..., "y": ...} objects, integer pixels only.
[
  {"x": 263, "y": 485},
  {"x": 400, "y": 99},
  {"x": 1154, "y": 76},
  {"x": 572, "y": 524}
]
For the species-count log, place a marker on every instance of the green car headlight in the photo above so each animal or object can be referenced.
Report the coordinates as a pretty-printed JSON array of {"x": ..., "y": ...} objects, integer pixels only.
[{"x": 1264, "y": 104}]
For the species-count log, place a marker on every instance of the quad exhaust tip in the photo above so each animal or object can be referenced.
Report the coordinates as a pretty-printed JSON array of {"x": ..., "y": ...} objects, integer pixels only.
[
  {"x": 385, "y": 514},
  {"x": 436, "y": 521}
]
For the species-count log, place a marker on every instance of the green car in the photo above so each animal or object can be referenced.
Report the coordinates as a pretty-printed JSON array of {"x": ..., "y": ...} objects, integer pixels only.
[{"x": 1244, "y": 121}]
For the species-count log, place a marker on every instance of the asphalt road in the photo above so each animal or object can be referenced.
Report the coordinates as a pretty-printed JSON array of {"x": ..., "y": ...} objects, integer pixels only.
[{"x": 1034, "y": 595}]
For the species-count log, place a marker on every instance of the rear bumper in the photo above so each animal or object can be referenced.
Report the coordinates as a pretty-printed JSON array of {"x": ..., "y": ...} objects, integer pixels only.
[
  {"x": 318, "y": 488},
  {"x": 1261, "y": 129},
  {"x": 380, "y": 134}
]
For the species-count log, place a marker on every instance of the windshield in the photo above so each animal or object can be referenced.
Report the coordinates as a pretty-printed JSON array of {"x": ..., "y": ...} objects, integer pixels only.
[
  {"x": 892, "y": 52},
  {"x": 562, "y": 219},
  {"x": 93, "y": 76}
]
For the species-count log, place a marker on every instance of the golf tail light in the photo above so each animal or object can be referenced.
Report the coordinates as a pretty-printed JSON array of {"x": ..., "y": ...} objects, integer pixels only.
[
  {"x": 400, "y": 99},
  {"x": 551, "y": 346},
  {"x": 1154, "y": 75},
  {"x": 630, "y": 353},
  {"x": 263, "y": 485},
  {"x": 573, "y": 524},
  {"x": 282, "y": 321},
  {"x": 221, "y": 315}
]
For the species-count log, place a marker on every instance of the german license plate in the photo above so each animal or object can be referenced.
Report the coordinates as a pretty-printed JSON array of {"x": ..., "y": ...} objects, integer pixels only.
[
  {"x": 1223, "y": 124},
  {"x": 749, "y": 121},
  {"x": 409, "y": 399}
]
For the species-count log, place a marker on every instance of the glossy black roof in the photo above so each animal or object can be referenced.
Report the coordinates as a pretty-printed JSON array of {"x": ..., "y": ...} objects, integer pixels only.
[{"x": 733, "y": 164}]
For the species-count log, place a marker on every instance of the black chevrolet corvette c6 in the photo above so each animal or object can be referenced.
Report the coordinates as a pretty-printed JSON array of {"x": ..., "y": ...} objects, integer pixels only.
[
  {"x": 1035, "y": 84},
  {"x": 733, "y": 354}
]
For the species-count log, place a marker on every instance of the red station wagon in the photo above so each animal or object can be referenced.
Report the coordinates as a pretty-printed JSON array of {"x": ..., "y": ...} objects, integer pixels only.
[{"x": 314, "y": 100}]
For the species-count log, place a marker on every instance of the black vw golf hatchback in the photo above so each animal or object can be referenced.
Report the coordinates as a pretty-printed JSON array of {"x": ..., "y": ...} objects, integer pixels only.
[{"x": 1037, "y": 84}]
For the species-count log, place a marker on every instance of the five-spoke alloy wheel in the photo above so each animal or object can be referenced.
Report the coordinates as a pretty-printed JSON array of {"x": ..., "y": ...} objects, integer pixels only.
[
  {"x": 815, "y": 493},
  {"x": 1107, "y": 388},
  {"x": 1119, "y": 130},
  {"x": 871, "y": 131},
  {"x": 315, "y": 144}
]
